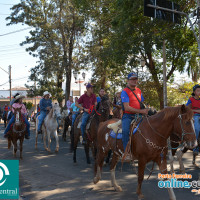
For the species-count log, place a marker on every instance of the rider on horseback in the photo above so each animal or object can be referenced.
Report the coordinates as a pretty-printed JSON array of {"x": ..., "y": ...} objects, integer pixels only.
[
  {"x": 18, "y": 104},
  {"x": 194, "y": 104},
  {"x": 101, "y": 94},
  {"x": 130, "y": 106},
  {"x": 45, "y": 107},
  {"x": 75, "y": 110},
  {"x": 87, "y": 100}
]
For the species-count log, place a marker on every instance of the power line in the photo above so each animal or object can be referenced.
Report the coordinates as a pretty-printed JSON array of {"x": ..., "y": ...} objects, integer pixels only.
[
  {"x": 20, "y": 78},
  {"x": 15, "y": 31},
  {"x": 4, "y": 83},
  {"x": 4, "y": 14},
  {"x": 6, "y": 4}
]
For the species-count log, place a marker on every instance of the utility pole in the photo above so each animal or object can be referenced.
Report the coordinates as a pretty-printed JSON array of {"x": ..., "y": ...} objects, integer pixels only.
[
  {"x": 9, "y": 73},
  {"x": 35, "y": 95},
  {"x": 164, "y": 75},
  {"x": 198, "y": 10}
]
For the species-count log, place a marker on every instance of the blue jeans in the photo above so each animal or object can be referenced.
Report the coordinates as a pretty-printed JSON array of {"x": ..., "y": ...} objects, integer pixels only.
[
  {"x": 37, "y": 114},
  {"x": 196, "y": 118},
  {"x": 85, "y": 118},
  {"x": 74, "y": 117},
  {"x": 126, "y": 122},
  {"x": 10, "y": 115},
  {"x": 41, "y": 118},
  {"x": 12, "y": 120}
]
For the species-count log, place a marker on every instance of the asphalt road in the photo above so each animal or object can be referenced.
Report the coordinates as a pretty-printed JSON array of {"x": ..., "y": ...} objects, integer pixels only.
[{"x": 45, "y": 176}]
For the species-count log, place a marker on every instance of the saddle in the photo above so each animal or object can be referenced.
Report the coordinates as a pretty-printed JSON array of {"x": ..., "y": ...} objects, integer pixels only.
[{"x": 88, "y": 122}]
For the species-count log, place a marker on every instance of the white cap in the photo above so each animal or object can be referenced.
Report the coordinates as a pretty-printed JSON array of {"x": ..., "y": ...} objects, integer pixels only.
[{"x": 46, "y": 93}]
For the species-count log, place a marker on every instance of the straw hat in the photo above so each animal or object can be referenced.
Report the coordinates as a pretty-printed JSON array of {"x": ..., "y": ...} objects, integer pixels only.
[
  {"x": 46, "y": 93},
  {"x": 19, "y": 97}
]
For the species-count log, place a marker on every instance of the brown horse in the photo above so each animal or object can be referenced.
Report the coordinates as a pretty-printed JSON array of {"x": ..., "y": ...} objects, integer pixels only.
[
  {"x": 117, "y": 112},
  {"x": 17, "y": 132},
  {"x": 102, "y": 114},
  {"x": 149, "y": 143}
]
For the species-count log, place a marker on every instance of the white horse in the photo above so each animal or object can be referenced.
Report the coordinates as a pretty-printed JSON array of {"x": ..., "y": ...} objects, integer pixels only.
[{"x": 49, "y": 127}]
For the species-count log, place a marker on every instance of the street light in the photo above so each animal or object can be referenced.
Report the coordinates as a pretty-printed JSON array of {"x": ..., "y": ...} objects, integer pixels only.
[
  {"x": 75, "y": 73},
  {"x": 142, "y": 64}
]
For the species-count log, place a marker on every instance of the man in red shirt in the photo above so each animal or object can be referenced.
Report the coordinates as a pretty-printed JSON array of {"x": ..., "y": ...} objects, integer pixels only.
[{"x": 86, "y": 101}]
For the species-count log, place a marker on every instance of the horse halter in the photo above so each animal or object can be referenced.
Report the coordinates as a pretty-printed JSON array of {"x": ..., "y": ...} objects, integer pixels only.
[{"x": 182, "y": 128}]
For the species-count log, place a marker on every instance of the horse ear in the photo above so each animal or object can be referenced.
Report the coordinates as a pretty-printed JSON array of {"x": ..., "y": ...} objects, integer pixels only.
[{"x": 183, "y": 108}]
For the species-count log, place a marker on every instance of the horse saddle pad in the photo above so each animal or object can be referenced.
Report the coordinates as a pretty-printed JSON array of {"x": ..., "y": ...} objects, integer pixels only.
[{"x": 119, "y": 135}]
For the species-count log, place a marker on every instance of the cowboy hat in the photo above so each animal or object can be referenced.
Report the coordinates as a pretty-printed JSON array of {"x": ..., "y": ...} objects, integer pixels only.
[
  {"x": 19, "y": 97},
  {"x": 46, "y": 93}
]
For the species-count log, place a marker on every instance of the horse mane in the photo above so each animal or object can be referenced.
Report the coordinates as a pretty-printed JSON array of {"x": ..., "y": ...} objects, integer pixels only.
[
  {"x": 51, "y": 113},
  {"x": 170, "y": 112},
  {"x": 105, "y": 97}
]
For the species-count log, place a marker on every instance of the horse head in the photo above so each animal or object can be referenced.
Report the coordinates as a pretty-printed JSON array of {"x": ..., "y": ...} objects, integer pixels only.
[
  {"x": 104, "y": 106},
  {"x": 183, "y": 126},
  {"x": 18, "y": 115},
  {"x": 56, "y": 111}
]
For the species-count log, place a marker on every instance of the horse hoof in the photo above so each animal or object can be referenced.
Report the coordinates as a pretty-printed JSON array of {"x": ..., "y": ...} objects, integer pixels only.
[
  {"x": 96, "y": 180},
  {"x": 140, "y": 197},
  {"x": 118, "y": 189},
  {"x": 75, "y": 164},
  {"x": 56, "y": 150},
  {"x": 182, "y": 171}
]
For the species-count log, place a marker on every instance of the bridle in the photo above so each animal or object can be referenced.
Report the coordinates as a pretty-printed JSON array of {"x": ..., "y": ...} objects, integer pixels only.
[
  {"x": 17, "y": 116},
  {"x": 182, "y": 128}
]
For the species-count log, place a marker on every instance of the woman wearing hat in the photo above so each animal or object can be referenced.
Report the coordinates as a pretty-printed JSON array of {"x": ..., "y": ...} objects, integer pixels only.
[
  {"x": 45, "y": 107},
  {"x": 17, "y": 104},
  {"x": 194, "y": 104}
]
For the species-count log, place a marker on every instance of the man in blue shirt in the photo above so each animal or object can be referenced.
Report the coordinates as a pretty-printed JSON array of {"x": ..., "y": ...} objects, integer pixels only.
[
  {"x": 45, "y": 107},
  {"x": 75, "y": 110},
  {"x": 131, "y": 96},
  {"x": 101, "y": 94}
]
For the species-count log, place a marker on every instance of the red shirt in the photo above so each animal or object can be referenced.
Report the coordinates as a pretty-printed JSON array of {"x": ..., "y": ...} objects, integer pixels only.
[
  {"x": 133, "y": 102},
  {"x": 195, "y": 103},
  {"x": 87, "y": 101}
]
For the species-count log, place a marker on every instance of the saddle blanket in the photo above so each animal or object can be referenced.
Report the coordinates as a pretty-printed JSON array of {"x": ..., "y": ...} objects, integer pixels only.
[{"x": 119, "y": 135}]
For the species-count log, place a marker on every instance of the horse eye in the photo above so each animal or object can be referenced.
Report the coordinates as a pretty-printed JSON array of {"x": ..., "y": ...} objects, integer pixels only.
[{"x": 187, "y": 122}]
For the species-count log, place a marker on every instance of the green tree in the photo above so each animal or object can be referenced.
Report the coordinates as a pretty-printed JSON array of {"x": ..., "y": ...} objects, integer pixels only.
[{"x": 55, "y": 38}]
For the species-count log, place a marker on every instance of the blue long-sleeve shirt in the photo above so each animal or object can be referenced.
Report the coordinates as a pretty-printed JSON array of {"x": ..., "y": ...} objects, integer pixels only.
[{"x": 44, "y": 103}]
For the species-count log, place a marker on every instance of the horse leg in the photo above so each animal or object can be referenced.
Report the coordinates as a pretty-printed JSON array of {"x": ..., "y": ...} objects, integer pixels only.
[
  {"x": 21, "y": 148},
  {"x": 171, "y": 161},
  {"x": 72, "y": 140},
  {"x": 179, "y": 158},
  {"x": 49, "y": 140},
  {"x": 87, "y": 154},
  {"x": 36, "y": 134},
  {"x": 76, "y": 137},
  {"x": 112, "y": 171},
  {"x": 44, "y": 140},
  {"x": 163, "y": 170},
  {"x": 194, "y": 160},
  {"x": 98, "y": 165},
  {"x": 141, "y": 167},
  {"x": 9, "y": 143},
  {"x": 65, "y": 129},
  {"x": 14, "y": 148},
  {"x": 57, "y": 141}
]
